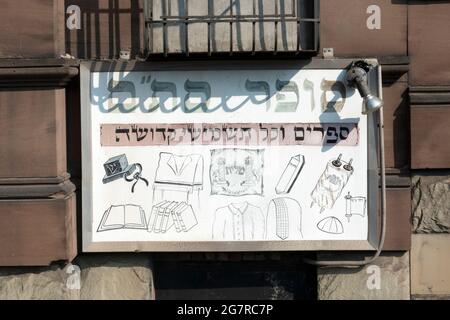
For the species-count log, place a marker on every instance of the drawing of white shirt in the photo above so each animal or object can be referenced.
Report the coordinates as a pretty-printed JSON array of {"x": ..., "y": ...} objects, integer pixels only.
[
  {"x": 179, "y": 170},
  {"x": 239, "y": 221}
]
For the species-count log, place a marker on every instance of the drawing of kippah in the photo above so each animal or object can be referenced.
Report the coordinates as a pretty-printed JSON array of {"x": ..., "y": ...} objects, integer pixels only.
[{"x": 331, "y": 225}]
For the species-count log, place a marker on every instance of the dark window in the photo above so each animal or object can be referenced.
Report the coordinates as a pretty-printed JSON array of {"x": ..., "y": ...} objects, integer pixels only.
[{"x": 231, "y": 27}]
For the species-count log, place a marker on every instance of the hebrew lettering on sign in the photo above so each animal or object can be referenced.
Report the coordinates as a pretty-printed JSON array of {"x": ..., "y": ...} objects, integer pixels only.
[
  {"x": 232, "y": 134},
  {"x": 195, "y": 96}
]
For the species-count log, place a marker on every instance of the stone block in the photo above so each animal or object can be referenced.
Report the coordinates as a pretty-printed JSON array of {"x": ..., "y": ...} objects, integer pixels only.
[
  {"x": 115, "y": 277},
  {"x": 43, "y": 283},
  {"x": 90, "y": 277},
  {"x": 431, "y": 203},
  {"x": 33, "y": 136},
  {"x": 385, "y": 279},
  {"x": 35, "y": 30},
  {"x": 430, "y": 261},
  {"x": 428, "y": 43}
]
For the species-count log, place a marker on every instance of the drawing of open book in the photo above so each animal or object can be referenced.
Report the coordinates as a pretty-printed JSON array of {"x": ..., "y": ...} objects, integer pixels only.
[
  {"x": 123, "y": 217},
  {"x": 166, "y": 214}
]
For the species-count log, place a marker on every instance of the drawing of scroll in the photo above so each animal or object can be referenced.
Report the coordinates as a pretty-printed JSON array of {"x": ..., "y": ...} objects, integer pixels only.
[
  {"x": 331, "y": 183},
  {"x": 354, "y": 206},
  {"x": 290, "y": 174}
]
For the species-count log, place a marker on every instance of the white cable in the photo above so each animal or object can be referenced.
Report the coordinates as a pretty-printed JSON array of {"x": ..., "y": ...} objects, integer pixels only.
[{"x": 360, "y": 263}]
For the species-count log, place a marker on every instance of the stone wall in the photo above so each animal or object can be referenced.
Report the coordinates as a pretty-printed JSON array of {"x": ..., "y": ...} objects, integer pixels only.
[
  {"x": 103, "y": 277},
  {"x": 385, "y": 279},
  {"x": 430, "y": 254},
  {"x": 431, "y": 202}
]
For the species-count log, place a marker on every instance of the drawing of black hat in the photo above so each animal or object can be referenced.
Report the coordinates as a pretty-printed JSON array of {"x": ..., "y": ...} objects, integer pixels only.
[
  {"x": 331, "y": 225},
  {"x": 117, "y": 167}
]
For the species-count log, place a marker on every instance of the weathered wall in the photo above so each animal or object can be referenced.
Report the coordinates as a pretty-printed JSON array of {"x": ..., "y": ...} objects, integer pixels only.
[
  {"x": 344, "y": 27},
  {"x": 385, "y": 279},
  {"x": 428, "y": 42},
  {"x": 31, "y": 119},
  {"x": 431, "y": 202},
  {"x": 100, "y": 277},
  {"x": 431, "y": 224},
  {"x": 31, "y": 31},
  {"x": 430, "y": 111}
]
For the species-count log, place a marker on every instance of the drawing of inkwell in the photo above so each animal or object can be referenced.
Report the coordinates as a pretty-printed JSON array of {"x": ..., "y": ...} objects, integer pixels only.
[
  {"x": 331, "y": 183},
  {"x": 117, "y": 168}
]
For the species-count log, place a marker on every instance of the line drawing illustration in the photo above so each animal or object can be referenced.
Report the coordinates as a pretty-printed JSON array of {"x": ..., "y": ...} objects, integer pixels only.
[
  {"x": 127, "y": 216},
  {"x": 331, "y": 183},
  {"x": 354, "y": 206},
  {"x": 331, "y": 225},
  {"x": 239, "y": 222},
  {"x": 182, "y": 173},
  {"x": 167, "y": 214},
  {"x": 237, "y": 172},
  {"x": 290, "y": 174},
  {"x": 284, "y": 219},
  {"x": 117, "y": 167}
]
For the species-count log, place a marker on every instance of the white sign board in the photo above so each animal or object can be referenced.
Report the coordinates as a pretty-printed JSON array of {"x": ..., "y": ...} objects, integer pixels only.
[{"x": 223, "y": 160}]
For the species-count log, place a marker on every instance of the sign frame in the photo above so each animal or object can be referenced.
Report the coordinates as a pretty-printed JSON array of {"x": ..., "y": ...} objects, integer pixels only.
[{"x": 370, "y": 244}]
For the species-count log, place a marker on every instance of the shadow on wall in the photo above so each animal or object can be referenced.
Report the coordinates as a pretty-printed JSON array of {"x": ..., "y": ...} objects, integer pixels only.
[{"x": 107, "y": 27}]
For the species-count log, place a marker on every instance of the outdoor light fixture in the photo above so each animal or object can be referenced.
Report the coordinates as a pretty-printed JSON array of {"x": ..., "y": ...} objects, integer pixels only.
[{"x": 357, "y": 77}]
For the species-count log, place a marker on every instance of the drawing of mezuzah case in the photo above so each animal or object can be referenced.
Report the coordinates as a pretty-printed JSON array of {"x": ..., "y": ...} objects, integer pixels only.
[
  {"x": 237, "y": 172},
  {"x": 284, "y": 220},
  {"x": 182, "y": 173},
  {"x": 238, "y": 222}
]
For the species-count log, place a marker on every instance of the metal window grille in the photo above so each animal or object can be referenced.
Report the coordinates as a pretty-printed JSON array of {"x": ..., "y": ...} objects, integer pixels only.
[{"x": 208, "y": 27}]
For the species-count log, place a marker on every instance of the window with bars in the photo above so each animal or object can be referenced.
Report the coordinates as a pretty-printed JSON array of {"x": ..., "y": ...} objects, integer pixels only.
[{"x": 209, "y": 27}]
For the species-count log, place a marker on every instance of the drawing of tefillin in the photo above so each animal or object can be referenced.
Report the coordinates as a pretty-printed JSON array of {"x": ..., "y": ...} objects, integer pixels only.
[{"x": 118, "y": 167}]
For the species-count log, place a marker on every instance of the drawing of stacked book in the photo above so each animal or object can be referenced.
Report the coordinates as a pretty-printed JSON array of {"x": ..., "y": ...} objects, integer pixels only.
[
  {"x": 166, "y": 214},
  {"x": 123, "y": 217}
]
